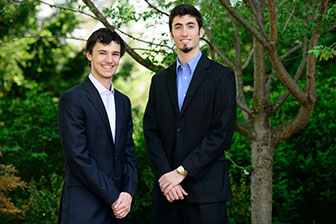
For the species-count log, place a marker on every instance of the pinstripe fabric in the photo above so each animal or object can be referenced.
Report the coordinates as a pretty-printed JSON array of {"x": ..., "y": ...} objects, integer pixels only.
[
  {"x": 195, "y": 137},
  {"x": 182, "y": 212}
]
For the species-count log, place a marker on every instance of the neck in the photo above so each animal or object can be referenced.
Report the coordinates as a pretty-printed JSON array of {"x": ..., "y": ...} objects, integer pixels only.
[
  {"x": 106, "y": 82},
  {"x": 185, "y": 57}
]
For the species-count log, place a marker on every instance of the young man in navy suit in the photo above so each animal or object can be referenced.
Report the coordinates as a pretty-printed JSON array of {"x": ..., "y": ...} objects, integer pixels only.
[
  {"x": 188, "y": 124},
  {"x": 95, "y": 126}
]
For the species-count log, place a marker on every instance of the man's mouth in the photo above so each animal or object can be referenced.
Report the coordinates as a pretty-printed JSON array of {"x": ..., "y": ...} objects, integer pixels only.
[
  {"x": 107, "y": 66},
  {"x": 185, "y": 41}
]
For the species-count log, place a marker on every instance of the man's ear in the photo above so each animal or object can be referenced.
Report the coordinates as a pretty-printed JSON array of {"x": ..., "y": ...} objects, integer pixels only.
[
  {"x": 88, "y": 55},
  {"x": 201, "y": 32}
]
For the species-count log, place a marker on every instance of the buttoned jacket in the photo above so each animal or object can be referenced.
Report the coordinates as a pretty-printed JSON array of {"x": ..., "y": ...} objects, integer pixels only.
[
  {"x": 196, "y": 136},
  {"x": 97, "y": 169}
]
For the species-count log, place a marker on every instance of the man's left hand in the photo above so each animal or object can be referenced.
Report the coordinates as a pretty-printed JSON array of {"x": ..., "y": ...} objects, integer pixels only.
[
  {"x": 169, "y": 180},
  {"x": 122, "y": 206}
]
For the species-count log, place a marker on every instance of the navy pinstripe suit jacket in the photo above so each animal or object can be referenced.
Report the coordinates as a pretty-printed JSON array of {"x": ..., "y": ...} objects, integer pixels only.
[{"x": 196, "y": 136}]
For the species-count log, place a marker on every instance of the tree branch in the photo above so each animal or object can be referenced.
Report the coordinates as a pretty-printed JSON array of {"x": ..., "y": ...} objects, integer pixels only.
[
  {"x": 37, "y": 36},
  {"x": 287, "y": 129},
  {"x": 282, "y": 73},
  {"x": 150, "y": 50},
  {"x": 291, "y": 51},
  {"x": 248, "y": 59},
  {"x": 247, "y": 26},
  {"x": 64, "y": 8},
  {"x": 158, "y": 10},
  {"x": 212, "y": 50},
  {"x": 129, "y": 50},
  {"x": 286, "y": 79},
  {"x": 297, "y": 76},
  {"x": 244, "y": 130},
  {"x": 238, "y": 72},
  {"x": 273, "y": 22},
  {"x": 256, "y": 17},
  {"x": 311, "y": 59},
  {"x": 144, "y": 41},
  {"x": 268, "y": 86},
  {"x": 220, "y": 54},
  {"x": 209, "y": 33},
  {"x": 259, "y": 77},
  {"x": 288, "y": 19}
]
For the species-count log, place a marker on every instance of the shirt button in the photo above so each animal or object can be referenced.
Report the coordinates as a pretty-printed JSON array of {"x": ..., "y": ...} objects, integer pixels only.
[{"x": 179, "y": 129}]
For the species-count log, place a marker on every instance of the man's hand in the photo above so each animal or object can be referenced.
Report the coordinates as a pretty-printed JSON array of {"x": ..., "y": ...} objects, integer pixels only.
[
  {"x": 122, "y": 206},
  {"x": 169, "y": 180},
  {"x": 176, "y": 193}
]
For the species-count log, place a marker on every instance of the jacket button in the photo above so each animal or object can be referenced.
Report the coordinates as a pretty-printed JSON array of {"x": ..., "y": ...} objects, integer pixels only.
[{"x": 179, "y": 129}]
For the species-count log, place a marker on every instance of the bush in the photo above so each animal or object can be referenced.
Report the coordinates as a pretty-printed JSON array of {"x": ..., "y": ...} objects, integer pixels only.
[
  {"x": 43, "y": 203},
  {"x": 30, "y": 138},
  {"x": 140, "y": 212},
  {"x": 304, "y": 166}
]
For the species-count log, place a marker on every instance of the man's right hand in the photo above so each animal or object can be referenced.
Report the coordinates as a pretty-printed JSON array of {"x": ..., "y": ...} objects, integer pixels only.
[{"x": 176, "y": 193}]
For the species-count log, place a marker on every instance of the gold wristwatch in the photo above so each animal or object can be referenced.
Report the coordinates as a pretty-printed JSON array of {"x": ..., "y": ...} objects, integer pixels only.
[{"x": 182, "y": 171}]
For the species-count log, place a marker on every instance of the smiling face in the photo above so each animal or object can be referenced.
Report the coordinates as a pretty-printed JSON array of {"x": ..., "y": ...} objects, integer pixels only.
[
  {"x": 186, "y": 34},
  {"x": 104, "y": 60}
]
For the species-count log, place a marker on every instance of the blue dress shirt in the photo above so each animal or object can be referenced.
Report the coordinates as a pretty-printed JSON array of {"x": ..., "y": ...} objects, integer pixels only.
[{"x": 184, "y": 75}]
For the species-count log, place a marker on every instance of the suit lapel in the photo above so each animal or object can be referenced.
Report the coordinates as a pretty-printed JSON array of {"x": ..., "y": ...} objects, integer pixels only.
[
  {"x": 199, "y": 75},
  {"x": 96, "y": 100},
  {"x": 172, "y": 88},
  {"x": 118, "y": 107}
]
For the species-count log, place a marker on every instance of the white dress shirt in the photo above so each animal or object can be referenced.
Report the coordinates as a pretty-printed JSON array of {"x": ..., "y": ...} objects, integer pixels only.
[{"x": 107, "y": 97}]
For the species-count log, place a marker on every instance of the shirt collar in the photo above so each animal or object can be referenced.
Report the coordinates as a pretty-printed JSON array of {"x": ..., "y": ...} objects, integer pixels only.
[
  {"x": 101, "y": 89},
  {"x": 192, "y": 63}
]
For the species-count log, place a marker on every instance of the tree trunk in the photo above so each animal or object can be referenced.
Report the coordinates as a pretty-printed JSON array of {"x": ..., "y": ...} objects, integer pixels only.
[
  {"x": 261, "y": 144},
  {"x": 261, "y": 178}
]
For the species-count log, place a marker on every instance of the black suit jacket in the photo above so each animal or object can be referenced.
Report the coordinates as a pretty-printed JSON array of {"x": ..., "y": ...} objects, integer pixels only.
[
  {"x": 96, "y": 168},
  {"x": 196, "y": 136}
]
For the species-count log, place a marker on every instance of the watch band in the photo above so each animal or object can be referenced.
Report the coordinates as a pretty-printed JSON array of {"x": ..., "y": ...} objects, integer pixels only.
[{"x": 182, "y": 171}]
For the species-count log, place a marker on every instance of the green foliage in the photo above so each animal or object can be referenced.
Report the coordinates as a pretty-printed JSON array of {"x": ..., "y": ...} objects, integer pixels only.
[
  {"x": 29, "y": 136},
  {"x": 31, "y": 142},
  {"x": 142, "y": 201},
  {"x": 34, "y": 52},
  {"x": 304, "y": 166},
  {"x": 324, "y": 52},
  {"x": 239, "y": 207},
  {"x": 15, "y": 17},
  {"x": 238, "y": 157},
  {"x": 43, "y": 203},
  {"x": 304, "y": 169}
]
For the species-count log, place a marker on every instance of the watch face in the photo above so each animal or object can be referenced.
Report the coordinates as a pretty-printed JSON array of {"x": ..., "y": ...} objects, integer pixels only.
[{"x": 180, "y": 169}]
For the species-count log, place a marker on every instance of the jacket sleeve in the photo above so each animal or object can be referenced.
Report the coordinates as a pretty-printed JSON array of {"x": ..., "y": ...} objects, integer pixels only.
[
  {"x": 71, "y": 125},
  {"x": 130, "y": 176},
  {"x": 219, "y": 137},
  {"x": 153, "y": 142}
]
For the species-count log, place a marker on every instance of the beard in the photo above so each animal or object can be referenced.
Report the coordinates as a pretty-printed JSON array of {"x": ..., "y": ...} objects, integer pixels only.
[{"x": 186, "y": 49}]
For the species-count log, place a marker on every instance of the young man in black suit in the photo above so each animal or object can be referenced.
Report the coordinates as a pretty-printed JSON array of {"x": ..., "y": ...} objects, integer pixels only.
[
  {"x": 95, "y": 126},
  {"x": 188, "y": 123}
]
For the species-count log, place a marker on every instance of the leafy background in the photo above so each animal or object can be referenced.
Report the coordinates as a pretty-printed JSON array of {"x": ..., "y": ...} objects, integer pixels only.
[{"x": 35, "y": 71}]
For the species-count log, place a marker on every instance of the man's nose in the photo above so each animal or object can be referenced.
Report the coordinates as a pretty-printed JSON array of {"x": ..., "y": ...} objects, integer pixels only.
[
  {"x": 109, "y": 58},
  {"x": 184, "y": 31}
]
